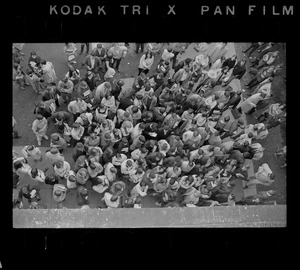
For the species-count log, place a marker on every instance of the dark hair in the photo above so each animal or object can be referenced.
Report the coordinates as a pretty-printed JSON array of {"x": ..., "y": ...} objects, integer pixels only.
[{"x": 147, "y": 53}]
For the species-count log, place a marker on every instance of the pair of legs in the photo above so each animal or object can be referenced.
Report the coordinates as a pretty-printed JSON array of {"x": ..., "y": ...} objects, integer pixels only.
[
  {"x": 138, "y": 46},
  {"x": 116, "y": 64},
  {"x": 39, "y": 138},
  {"x": 87, "y": 45},
  {"x": 143, "y": 70}
]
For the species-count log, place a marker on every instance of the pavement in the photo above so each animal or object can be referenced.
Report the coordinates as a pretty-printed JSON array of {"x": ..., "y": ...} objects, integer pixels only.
[{"x": 23, "y": 112}]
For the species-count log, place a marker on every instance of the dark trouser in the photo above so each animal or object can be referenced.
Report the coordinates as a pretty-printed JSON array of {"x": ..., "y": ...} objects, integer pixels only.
[
  {"x": 143, "y": 70},
  {"x": 253, "y": 82},
  {"x": 117, "y": 61},
  {"x": 87, "y": 48},
  {"x": 138, "y": 45},
  {"x": 252, "y": 48},
  {"x": 174, "y": 59}
]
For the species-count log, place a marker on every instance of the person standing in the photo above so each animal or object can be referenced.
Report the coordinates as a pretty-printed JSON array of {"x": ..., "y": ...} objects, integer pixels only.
[
  {"x": 219, "y": 51},
  {"x": 39, "y": 128},
  {"x": 65, "y": 87},
  {"x": 48, "y": 72},
  {"x": 264, "y": 176},
  {"x": 146, "y": 62},
  {"x": 14, "y": 132},
  {"x": 118, "y": 52}
]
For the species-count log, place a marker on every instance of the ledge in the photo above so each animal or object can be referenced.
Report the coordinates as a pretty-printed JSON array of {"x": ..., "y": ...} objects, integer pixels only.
[{"x": 218, "y": 216}]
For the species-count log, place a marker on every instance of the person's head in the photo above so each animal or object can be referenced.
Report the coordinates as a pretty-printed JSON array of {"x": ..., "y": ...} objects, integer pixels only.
[
  {"x": 107, "y": 85},
  {"x": 246, "y": 143},
  {"x": 272, "y": 176},
  {"x": 43, "y": 62},
  {"x": 159, "y": 156},
  {"x": 39, "y": 117},
  {"x": 54, "y": 137},
  {"x": 247, "y": 155},
  {"x": 54, "y": 150},
  {"x": 92, "y": 165},
  {"x": 139, "y": 170},
  {"x": 250, "y": 135},
  {"x": 169, "y": 49},
  {"x": 271, "y": 192},
  {"x": 72, "y": 178},
  {"x": 224, "y": 44},
  {"x": 33, "y": 54},
  {"x": 129, "y": 163},
  {"x": 148, "y": 54},
  {"x": 113, "y": 170},
  {"x": 263, "y": 95},
  {"x": 186, "y": 69},
  {"x": 142, "y": 126},
  {"x": 57, "y": 193},
  {"x": 120, "y": 83},
  {"x": 134, "y": 109},
  {"x": 142, "y": 139},
  {"x": 76, "y": 125},
  {"x": 226, "y": 118},
  {"x": 276, "y": 53},
  {"x": 65, "y": 79},
  {"x": 59, "y": 164}
]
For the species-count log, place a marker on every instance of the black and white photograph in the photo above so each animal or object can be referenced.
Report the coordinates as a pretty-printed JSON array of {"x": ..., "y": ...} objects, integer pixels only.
[{"x": 141, "y": 127}]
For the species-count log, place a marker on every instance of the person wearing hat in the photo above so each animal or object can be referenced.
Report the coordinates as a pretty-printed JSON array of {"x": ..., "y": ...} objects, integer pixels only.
[
  {"x": 82, "y": 176},
  {"x": 110, "y": 172},
  {"x": 94, "y": 169},
  {"x": 58, "y": 141},
  {"x": 31, "y": 151},
  {"x": 138, "y": 142},
  {"x": 82, "y": 196},
  {"x": 59, "y": 193},
  {"x": 39, "y": 128},
  {"x": 61, "y": 169},
  {"x": 101, "y": 184},
  {"x": 76, "y": 133},
  {"x": 65, "y": 86},
  {"x": 263, "y": 176}
]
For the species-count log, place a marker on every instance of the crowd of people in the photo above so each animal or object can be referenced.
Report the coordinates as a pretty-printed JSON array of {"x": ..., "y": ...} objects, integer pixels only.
[{"x": 177, "y": 135}]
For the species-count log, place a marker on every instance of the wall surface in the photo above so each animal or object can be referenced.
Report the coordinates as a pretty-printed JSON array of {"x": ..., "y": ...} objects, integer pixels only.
[{"x": 221, "y": 216}]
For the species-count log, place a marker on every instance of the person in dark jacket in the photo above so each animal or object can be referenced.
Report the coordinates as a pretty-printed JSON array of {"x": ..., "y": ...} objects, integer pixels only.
[
  {"x": 117, "y": 89},
  {"x": 234, "y": 100},
  {"x": 238, "y": 71},
  {"x": 30, "y": 192}
]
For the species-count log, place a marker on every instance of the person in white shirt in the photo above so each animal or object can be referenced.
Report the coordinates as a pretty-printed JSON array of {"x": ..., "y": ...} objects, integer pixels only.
[
  {"x": 39, "y": 128},
  {"x": 140, "y": 189},
  {"x": 61, "y": 169},
  {"x": 101, "y": 184},
  {"x": 264, "y": 176},
  {"x": 54, "y": 155},
  {"x": 111, "y": 201},
  {"x": 128, "y": 167},
  {"x": 71, "y": 180},
  {"x": 146, "y": 62},
  {"x": 30, "y": 151},
  {"x": 167, "y": 54},
  {"x": 110, "y": 172},
  {"x": 76, "y": 133}
]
